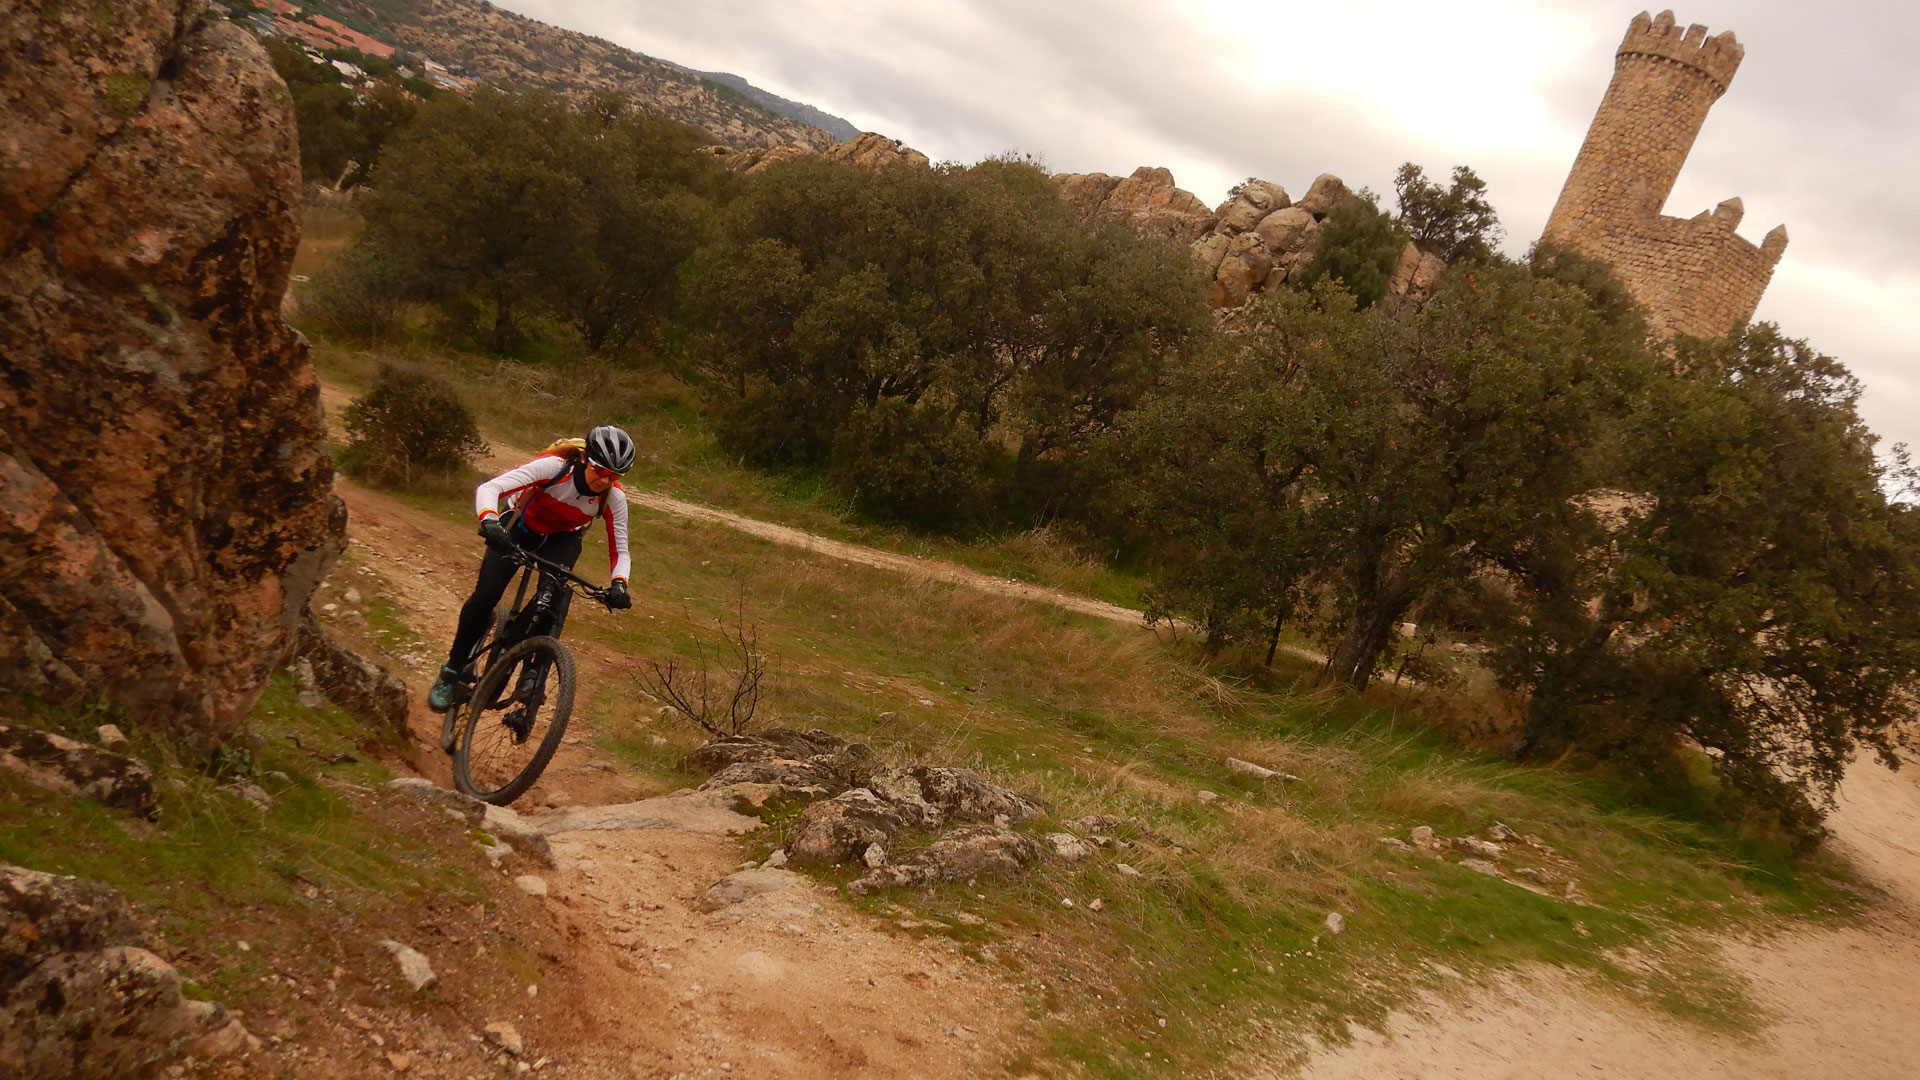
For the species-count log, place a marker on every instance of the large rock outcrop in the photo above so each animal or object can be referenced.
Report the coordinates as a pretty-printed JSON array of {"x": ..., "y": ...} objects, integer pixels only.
[
  {"x": 165, "y": 491},
  {"x": 1252, "y": 243},
  {"x": 1148, "y": 200},
  {"x": 866, "y": 150}
]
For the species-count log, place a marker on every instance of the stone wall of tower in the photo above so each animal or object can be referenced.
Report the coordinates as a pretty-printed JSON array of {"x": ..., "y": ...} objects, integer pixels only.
[{"x": 1692, "y": 276}]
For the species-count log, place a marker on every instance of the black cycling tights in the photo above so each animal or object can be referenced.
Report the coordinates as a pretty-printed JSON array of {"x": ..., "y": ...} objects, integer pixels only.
[{"x": 496, "y": 572}]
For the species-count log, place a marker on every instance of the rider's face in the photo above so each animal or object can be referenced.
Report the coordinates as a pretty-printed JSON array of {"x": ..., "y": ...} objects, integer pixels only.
[{"x": 600, "y": 479}]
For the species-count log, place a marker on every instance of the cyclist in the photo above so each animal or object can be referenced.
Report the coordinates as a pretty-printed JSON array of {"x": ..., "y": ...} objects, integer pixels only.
[{"x": 552, "y": 500}]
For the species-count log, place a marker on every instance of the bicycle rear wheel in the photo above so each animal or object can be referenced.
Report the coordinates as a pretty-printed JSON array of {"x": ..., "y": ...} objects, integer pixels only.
[{"x": 512, "y": 727}]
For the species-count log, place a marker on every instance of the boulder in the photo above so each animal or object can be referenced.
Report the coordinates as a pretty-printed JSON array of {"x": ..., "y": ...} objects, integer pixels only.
[
  {"x": 1085, "y": 193},
  {"x": 1254, "y": 201},
  {"x": 964, "y": 795},
  {"x": 165, "y": 458},
  {"x": 770, "y": 745},
  {"x": 45, "y": 914},
  {"x": 1326, "y": 193},
  {"x": 875, "y": 151},
  {"x": 1149, "y": 201},
  {"x": 1288, "y": 233},
  {"x": 114, "y": 1014},
  {"x": 1242, "y": 271},
  {"x": 60, "y": 764},
  {"x": 802, "y": 764},
  {"x": 80, "y": 995},
  {"x": 840, "y": 829},
  {"x": 967, "y": 852},
  {"x": 907, "y": 797},
  {"x": 1416, "y": 277},
  {"x": 1209, "y": 250},
  {"x": 358, "y": 685}
]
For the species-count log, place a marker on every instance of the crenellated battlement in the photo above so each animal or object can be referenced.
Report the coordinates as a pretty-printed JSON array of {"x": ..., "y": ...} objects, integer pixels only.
[
  {"x": 1693, "y": 275},
  {"x": 1659, "y": 38}
]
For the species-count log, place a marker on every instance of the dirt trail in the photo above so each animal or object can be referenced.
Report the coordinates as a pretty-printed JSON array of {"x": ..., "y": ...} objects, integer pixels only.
[
  {"x": 794, "y": 984},
  {"x": 1841, "y": 1002}
]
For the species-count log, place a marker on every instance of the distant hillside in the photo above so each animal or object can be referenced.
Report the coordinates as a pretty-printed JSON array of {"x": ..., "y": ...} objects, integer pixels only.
[
  {"x": 480, "y": 41},
  {"x": 797, "y": 110}
]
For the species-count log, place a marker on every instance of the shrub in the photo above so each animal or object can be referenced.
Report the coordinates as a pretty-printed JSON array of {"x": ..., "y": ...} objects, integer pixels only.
[
  {"x": 362, "y": 295},
  {"x": 911, "y": 464},
  {"x": 1359, "y": 245},
  {"x": 410, "y": 427}
]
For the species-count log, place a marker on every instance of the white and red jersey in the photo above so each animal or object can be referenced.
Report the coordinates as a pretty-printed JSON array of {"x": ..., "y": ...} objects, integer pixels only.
[{"x": 551, "y": 502}]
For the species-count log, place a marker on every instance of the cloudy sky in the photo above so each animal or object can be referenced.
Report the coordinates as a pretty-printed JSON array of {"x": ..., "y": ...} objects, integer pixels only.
[{"x": 1821, "y": 129}]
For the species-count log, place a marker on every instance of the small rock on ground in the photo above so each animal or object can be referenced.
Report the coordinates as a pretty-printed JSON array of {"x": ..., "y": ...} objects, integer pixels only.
[
  {"x": 1469, "y": 845},
  {"x": 1068, "y": 847},
  {"x": 413, "y": 965},
  {"x": 1336, "y": 923},
  {"x": 506, "y": 1037},
  {"x": 531, "y": 884}
]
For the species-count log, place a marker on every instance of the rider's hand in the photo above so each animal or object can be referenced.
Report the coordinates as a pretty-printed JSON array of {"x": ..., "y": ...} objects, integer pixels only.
[
  {"x": 496, "y": 535},
  {"x": 617, "y": 596}
]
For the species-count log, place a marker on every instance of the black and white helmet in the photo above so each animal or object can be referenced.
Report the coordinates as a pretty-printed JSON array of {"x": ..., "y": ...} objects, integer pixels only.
[{"x": 610, "y": 448}]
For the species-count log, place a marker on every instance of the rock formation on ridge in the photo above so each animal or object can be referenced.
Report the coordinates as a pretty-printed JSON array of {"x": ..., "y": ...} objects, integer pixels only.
[{"x": 866, "y": 149}]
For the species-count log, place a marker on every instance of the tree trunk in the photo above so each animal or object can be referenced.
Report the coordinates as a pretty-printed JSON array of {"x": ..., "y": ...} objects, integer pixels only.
[
  {"x": 503, "y": 334},
  {"x": 1273, "y": 640},
  {"x": 1368, "y": 631},
  {"x": 1550, "y": 723}
]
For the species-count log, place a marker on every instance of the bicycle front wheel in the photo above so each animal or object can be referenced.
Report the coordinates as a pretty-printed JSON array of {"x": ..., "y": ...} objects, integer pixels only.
[{"x": 515, "y": 721}]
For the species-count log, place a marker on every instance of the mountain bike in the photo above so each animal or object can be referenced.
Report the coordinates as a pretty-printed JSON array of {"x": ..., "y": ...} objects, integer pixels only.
[{"x": 504, "y": 725}]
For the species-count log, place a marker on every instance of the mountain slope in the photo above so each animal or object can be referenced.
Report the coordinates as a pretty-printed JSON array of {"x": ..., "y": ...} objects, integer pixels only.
[
  {"x": 796, "y": 110},
  {"x": 497, "y": 46}
]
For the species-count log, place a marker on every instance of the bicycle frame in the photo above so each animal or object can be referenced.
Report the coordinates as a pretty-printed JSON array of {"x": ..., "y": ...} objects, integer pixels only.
[{"x": 520, "y": 613}]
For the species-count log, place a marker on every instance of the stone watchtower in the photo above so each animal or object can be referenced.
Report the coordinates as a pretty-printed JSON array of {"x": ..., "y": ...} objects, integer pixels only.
[{"x": 1691, "y": 276}]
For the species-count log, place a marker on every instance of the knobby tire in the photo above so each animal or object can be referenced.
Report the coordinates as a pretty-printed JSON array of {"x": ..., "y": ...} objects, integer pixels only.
[{"x": 478, "y": 718}]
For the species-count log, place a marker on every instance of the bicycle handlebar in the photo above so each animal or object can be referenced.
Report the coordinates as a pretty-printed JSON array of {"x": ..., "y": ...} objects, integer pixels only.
[{"x": 527, "y": 558}]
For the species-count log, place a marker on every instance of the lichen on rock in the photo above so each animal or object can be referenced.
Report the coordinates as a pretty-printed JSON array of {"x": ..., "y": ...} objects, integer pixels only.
[{"x": 163, "y": 461}]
